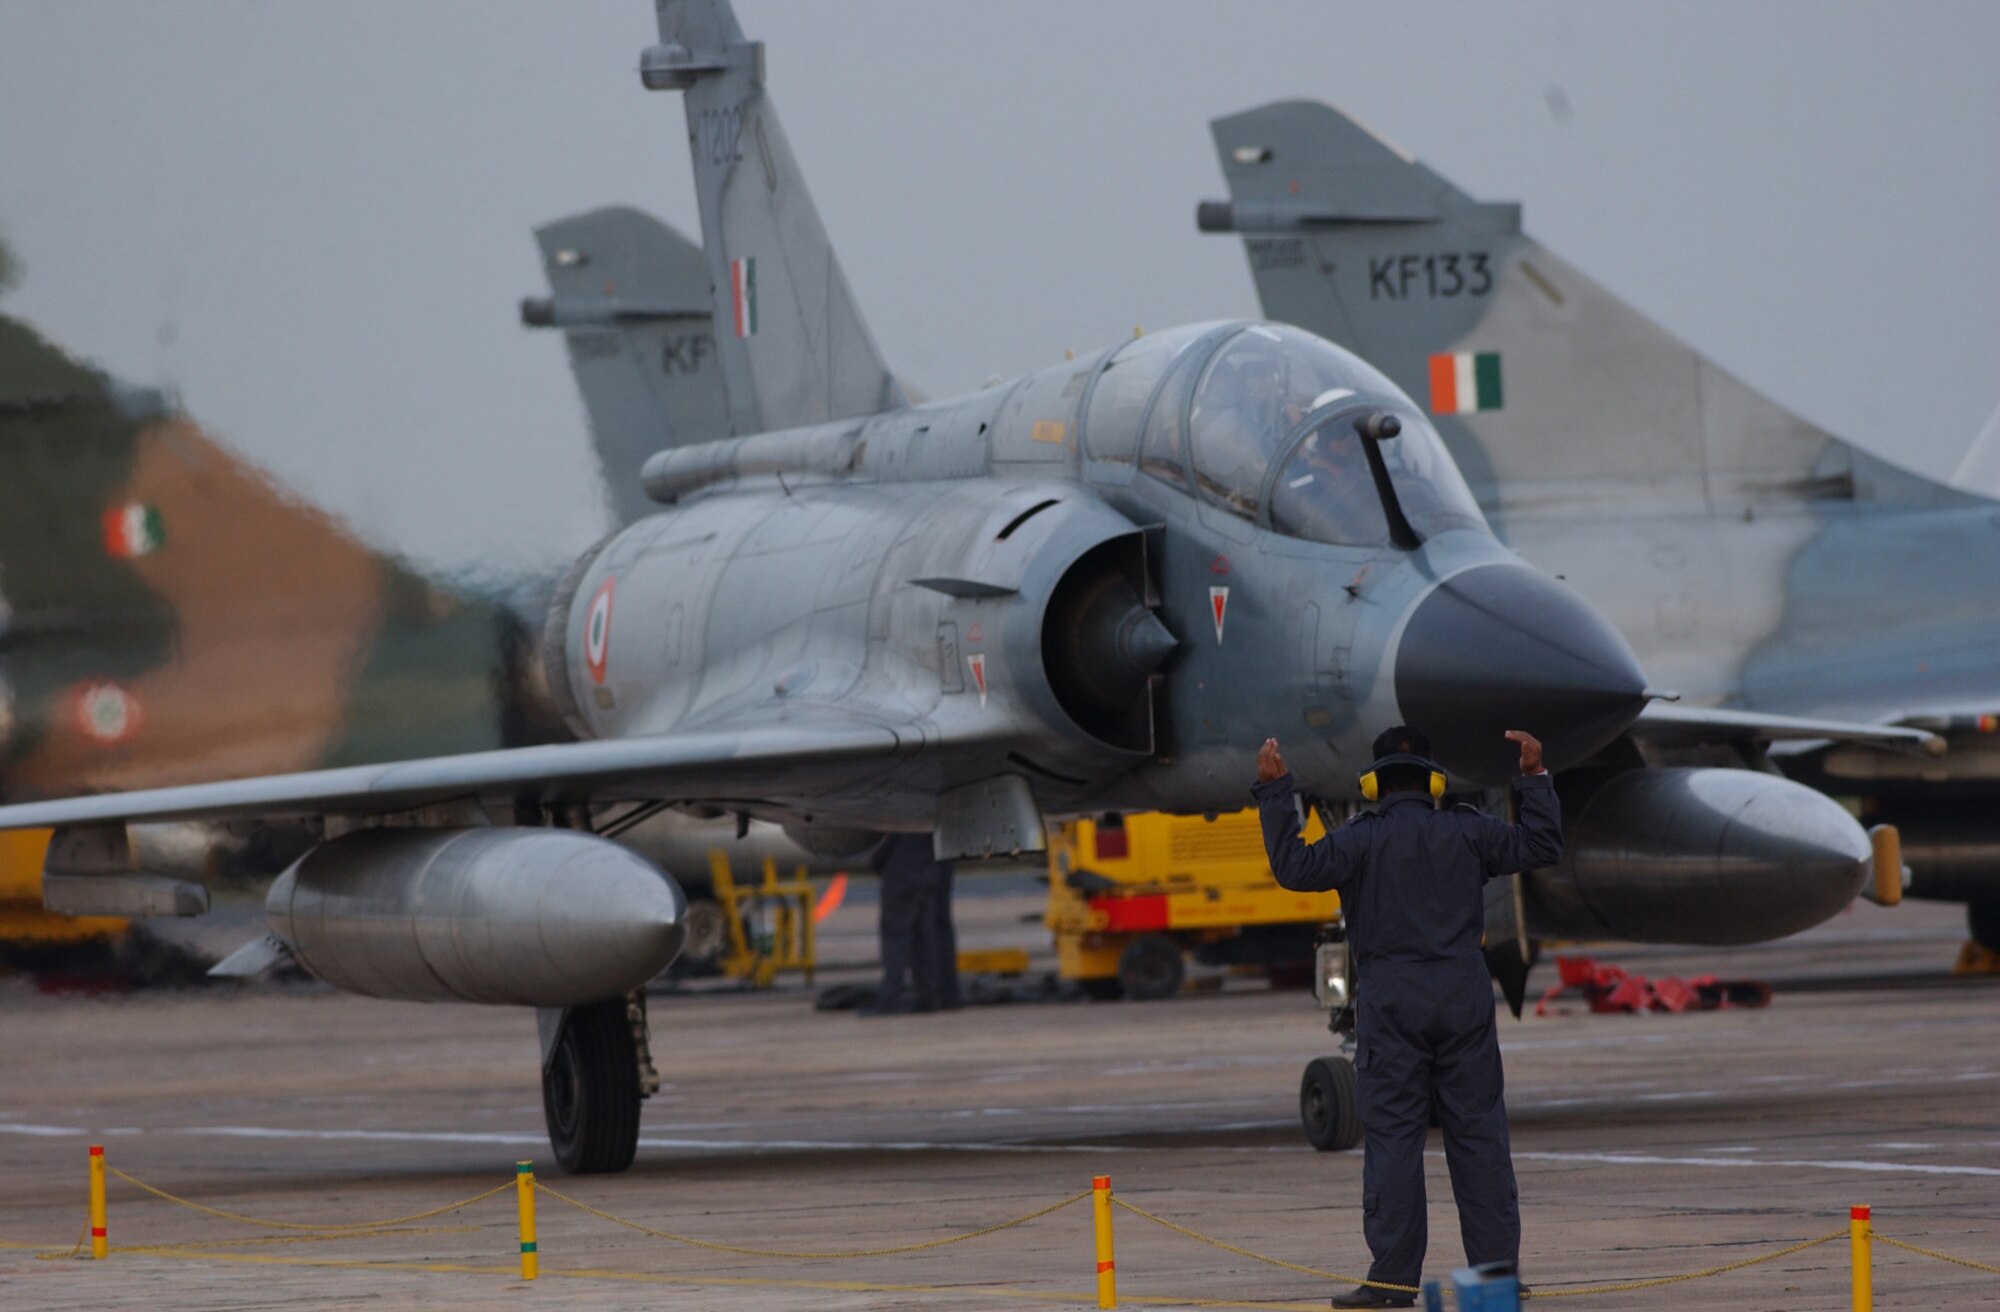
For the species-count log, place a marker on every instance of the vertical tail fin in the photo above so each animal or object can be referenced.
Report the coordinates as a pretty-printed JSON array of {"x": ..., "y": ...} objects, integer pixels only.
[
  {"x": 632, "y": 298},
  {"x": 793, "y": 344},
  {"x": 1540, "y": 380}
]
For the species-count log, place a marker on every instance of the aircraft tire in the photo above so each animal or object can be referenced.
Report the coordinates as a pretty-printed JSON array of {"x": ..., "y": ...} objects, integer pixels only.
[
  {"x": 1982, "y": 923},
  {"x": 590, "y": 1091},
  {"x": 1327, "y": 1106},
  {"x": 1151, "y": 967}
]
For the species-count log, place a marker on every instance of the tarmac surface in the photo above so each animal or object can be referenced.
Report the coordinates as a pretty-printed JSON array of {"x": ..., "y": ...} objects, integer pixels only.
[{"x": 1645, "y": 1145}]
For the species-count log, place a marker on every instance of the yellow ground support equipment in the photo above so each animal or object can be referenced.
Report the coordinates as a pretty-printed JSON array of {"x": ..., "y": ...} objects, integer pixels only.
[
  {"x": 770, "y": 925},
  {"x": 26, "y": 930},
  {"x": 1128, "y": 896},
  {"x": 1007, "y": 963}
]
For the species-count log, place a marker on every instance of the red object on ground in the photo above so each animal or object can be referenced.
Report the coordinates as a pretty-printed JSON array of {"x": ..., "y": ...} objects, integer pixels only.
[
  {"x": 1632, "y": 993},
  {"x": 1609, "y": 988},
  {"x": 1675, "y": 994},
  {"x": 829, "y": 901}
]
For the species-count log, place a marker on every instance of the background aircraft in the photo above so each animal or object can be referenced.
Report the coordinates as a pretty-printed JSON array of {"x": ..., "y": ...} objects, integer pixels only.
[{"x": 1753, "y": 560}]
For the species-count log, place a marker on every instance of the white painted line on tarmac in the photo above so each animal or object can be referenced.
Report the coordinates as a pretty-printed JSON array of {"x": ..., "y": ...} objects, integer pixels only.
[
  {"x": 1757, "y": 1164},
  {"x": 50, "y": 1131},
  {"x": 516, "y": 1139}
]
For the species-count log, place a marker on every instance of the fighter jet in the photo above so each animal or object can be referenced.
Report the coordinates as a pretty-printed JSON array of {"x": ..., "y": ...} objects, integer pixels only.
[
  {"x": 1094, "y": 588},
  {"x": 1754, "y": 561}
]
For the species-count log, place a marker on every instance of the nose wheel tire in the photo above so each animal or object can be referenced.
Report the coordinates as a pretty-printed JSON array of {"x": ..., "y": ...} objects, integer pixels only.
[
  {"x": 1151, "y": 966},
  {"x": 1327, "y": 1104},
  {"x": 590, "y": 1090}
]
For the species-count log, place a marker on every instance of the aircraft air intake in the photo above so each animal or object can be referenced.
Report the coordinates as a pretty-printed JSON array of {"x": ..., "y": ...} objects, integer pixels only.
[{"x": 1102, "y": 643}]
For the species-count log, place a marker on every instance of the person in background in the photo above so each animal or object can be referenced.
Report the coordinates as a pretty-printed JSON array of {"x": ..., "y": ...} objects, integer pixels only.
[{"x": 919, "y": 946}]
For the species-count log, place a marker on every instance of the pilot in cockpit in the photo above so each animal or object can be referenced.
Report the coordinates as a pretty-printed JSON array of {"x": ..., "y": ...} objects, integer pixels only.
[
  {"x": 1268, "y": 404},
  {"x": 1247, "y": 404},
  {"x": 1326, "y": 492}
]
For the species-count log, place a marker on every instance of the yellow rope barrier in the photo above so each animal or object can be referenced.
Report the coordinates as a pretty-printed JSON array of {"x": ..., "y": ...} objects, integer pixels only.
[
  {"x": 81, "y": 1240},
  {"x": 310, "y": 1233},
  {"x": 250, "y": 1241},
  {"x": 1655, "y": 1282},
  {"x": 317, "y": 1229},
  {"x": 1180, "y": 1229},
  {"x": 581, "y": 1206},
  {"x": 1540, "y": 1291},
  {"x": 1932, "y": 1252}
]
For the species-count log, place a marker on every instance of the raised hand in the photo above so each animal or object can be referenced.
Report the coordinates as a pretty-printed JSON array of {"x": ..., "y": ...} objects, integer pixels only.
[
  {"x": 1270, "y": 762},
  {"x": 1531, "y": 750}
]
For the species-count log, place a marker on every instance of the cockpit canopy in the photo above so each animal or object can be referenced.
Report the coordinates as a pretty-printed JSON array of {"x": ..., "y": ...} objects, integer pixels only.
[{"x": 1259, "y": 420}]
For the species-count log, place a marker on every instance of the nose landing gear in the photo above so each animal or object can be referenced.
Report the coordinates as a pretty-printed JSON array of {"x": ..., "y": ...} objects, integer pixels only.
[{"x": 1327, "y": 1105}]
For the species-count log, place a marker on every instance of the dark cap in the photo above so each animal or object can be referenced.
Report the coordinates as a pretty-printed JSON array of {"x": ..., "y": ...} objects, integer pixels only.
[{"x": 1403, "y": 740}]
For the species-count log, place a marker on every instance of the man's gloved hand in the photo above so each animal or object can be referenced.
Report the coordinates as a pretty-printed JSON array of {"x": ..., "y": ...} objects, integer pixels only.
[
  {"x": 1271, "y": 764},
  {"x": 1531, "y": 750}
]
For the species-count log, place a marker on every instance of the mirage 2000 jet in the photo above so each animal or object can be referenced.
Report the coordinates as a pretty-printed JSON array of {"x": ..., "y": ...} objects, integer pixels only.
[{"x": 1096, "y": 588}]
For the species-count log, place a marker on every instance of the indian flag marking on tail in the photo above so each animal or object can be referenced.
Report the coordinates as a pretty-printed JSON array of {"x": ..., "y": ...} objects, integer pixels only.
[
  {"x": 1464, "y": 382},
  {"x": 743, "y": 295},
  {"x": 132, "y": 530}
]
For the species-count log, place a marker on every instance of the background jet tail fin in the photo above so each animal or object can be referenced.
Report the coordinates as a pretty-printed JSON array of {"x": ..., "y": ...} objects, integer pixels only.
[
  {"x": 1540, "y": 380},
  {"x": 793, "y": 344},
  {"x": 632, "y": 298}
]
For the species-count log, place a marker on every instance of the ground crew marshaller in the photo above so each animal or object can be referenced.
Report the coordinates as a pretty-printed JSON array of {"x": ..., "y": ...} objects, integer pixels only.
[{"x": 1410, "y": 879}]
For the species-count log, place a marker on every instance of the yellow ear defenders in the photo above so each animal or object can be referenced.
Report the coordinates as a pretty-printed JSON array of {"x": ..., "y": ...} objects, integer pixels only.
[{"x": 1371, "y": 786}]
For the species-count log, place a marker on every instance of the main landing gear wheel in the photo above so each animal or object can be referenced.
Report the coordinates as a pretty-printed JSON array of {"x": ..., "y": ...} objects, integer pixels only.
[
  {"x": 590, "y": 1090},
  {"x": 1326, "y": 1104},
  {"x": 1151, "y": 966}
]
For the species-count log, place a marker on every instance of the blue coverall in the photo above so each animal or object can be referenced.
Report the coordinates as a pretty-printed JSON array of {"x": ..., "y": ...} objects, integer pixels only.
[
  {"x": 1410, "y": 880},
  {"x": 918, "y": 941}
]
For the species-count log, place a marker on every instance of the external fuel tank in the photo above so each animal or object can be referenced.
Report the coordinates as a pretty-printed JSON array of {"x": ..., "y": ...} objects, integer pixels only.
[
  {"x": 1714, "y": 856},
  {"x": 526, "y": 917}
]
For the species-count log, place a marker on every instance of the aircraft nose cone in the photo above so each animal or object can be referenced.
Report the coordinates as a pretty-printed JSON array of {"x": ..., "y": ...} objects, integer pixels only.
[{"x": 1500, "y": 647}]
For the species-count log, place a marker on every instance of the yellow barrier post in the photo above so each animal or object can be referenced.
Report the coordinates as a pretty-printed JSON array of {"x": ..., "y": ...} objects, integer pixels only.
[
  {"x": 1107, "y": 1264},
  {"x": 100, "y": 1243},
  {"x": 524, "y": 1190},
  {"x": 1864, "y": 1270}
]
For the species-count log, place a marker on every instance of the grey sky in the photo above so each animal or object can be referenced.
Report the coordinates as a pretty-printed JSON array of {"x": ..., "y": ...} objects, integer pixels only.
[{"x": 313, "y": 218}]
